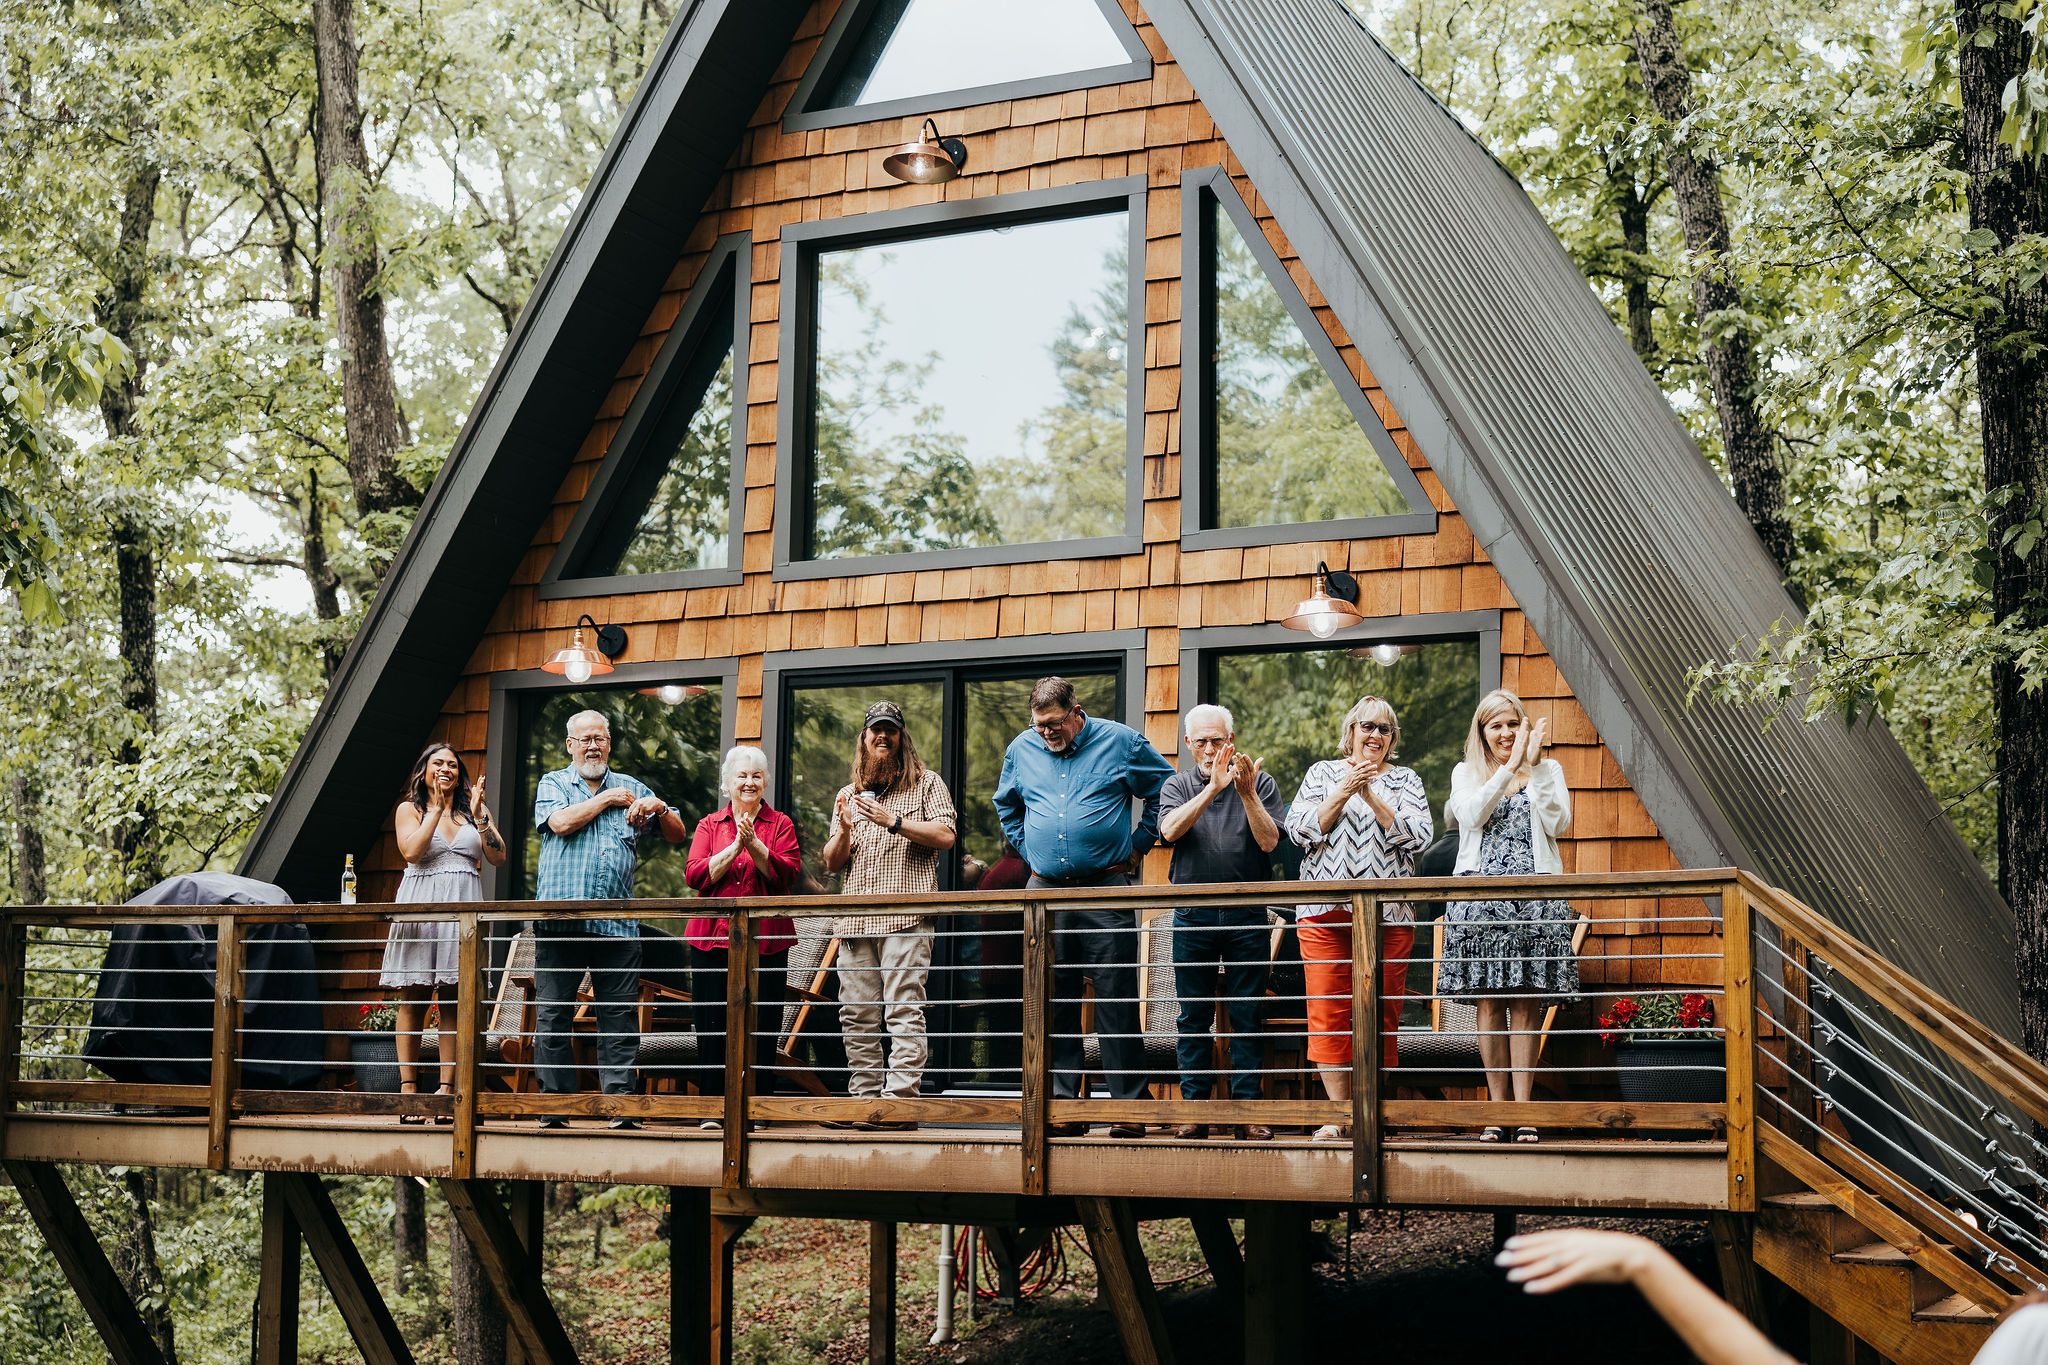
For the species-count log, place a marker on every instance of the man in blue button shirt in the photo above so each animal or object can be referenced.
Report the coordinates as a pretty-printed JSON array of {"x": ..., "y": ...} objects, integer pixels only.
[
  {"x": 589, "y": 819},
  {"x": 1065, "y": 801}
]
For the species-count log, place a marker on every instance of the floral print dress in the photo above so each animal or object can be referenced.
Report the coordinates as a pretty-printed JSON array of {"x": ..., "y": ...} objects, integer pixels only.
[{"x": 1491, "y": 946}]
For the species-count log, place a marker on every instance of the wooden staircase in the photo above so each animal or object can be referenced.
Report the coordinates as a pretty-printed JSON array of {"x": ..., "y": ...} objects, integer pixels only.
[{"x": 1865, "y": 1283}]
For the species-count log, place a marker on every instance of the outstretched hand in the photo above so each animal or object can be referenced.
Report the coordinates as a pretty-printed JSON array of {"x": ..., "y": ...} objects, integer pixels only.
[{"x": 1544, "y": 1262}]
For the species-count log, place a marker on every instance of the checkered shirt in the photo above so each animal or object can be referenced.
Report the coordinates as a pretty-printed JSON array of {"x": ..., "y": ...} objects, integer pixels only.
[
  {"x": 594, "y": 863},
  {"x": 885, "y": 864}
]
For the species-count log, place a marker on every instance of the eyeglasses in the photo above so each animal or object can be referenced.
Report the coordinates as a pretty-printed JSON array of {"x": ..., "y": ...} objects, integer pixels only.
[
  {"x": 1375, "y": 727},
  {"x": 1053, "y": 727},
  {"x": 589, "y": 741},
  {"x": 1210, "y": 743}
]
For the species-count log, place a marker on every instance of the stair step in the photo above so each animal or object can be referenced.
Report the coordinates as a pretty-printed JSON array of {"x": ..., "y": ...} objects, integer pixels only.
[
  {"x": 1804, "y": 1199},
  {"x": 1955, "y": 1308},
  {"x": 1872, "y": 1253}
]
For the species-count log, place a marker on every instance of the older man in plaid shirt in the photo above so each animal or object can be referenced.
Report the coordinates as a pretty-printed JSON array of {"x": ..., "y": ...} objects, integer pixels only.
[{"x": 889, "y": 826}]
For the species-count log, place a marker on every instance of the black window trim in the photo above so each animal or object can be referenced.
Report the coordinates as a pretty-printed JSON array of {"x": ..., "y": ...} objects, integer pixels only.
[
  {"x": 801, "y": 245},
  {"x": 1200, "y": 649},
  {"x": 847, "y": 27},
  {"x": 730, "y": 265},
  {"x": 1212, "y": 185}
]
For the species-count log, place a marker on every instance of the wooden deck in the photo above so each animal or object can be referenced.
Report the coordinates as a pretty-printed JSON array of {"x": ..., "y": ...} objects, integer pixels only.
[{"x": 1449, "y": 1172}]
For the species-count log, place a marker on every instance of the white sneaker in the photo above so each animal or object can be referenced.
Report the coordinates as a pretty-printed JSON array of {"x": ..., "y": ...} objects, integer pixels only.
[
  {"x": 711, "y": 1126},
  {"x": 1329, "y": 1132}
]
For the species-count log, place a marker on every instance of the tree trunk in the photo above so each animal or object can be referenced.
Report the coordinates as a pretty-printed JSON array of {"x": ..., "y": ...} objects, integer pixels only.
[
  {"x": 32, "y": 882},
  {"x": 369, "y": 396},
  {"x": 2011, "y": 199},
  {"x": 120, "y": 310},
  {"x": 1632, "y": 207},
  {"x": 479, "y": 1325},
  {"x": 408, "y": 1232},
  {"x": 1731, "y": 357},
  {"x": 320, "y": 575},
  {"x": 134, "y": 1257}
]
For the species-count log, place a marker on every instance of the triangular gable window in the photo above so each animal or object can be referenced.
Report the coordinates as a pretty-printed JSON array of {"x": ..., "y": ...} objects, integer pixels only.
[
  {"x": 1280, "y": 434},
  {"x": 885, "y": 58},
  {"x": 659, "y": 511}
]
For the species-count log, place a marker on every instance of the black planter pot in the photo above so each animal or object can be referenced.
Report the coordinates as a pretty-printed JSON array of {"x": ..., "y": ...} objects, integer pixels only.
[
  {"x": 376, "y": 1059},
  {"x": 1648, "y": 1077}
]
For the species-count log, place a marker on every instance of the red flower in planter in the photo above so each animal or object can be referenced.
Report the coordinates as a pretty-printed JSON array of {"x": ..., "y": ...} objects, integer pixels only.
[{"x": 1620, "y": 1019}]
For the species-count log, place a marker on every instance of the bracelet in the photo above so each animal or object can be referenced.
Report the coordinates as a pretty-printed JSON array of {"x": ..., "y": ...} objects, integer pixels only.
[{"x": 897, "y": 828}]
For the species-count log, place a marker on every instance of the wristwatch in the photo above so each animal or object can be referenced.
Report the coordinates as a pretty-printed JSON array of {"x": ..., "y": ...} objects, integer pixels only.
[{"x": 897, "y": 828}]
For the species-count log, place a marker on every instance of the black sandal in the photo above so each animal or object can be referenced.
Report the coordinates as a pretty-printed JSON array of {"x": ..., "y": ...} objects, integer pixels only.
[
  {"x": 1490, "y": 1133},
  {"x": 1526, "y": 1135},
  {"x": 410, "y": 1119},
  {"x": 449, "y": 1091}
]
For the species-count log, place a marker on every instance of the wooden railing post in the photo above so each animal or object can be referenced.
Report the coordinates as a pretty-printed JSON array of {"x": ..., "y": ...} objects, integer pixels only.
[
  {"x": 227, "y": 1015},
  {"x": 1037, "y": 1051},
  {"x": 739, "y": 1042},
  {"x": 1365, "y": 1049},
  {"x": 1738, "y": 1024},
  {"x": 472, "y": 964}
]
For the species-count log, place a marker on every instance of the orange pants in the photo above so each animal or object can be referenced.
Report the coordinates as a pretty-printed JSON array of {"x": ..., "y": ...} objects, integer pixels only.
[{"x": 1326, "y": 964}]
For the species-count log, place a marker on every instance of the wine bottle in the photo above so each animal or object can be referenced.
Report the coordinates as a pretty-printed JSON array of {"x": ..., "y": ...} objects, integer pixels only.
[{"x": 348, "y": 880}]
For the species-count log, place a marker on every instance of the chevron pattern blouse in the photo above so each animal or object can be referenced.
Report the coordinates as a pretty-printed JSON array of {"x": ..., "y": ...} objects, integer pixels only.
[{"x": 1356, "y": 847}]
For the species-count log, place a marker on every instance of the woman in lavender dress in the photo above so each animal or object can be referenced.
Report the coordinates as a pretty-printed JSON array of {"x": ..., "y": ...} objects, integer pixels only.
[{"x": 444, "y": 832}]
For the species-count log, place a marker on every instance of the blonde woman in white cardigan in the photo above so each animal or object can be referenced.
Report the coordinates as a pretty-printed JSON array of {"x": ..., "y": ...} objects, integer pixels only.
[{"x": 1510, "y": 958}]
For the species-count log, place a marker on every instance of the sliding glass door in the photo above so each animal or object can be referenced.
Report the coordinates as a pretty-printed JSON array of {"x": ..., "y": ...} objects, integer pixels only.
[{"x": 961, "y": 718}]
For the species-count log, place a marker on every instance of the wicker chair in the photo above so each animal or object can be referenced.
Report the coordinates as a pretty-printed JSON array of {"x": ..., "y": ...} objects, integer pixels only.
[
  {"x": 1158, "y": 1011},
  {"x": 1447, "y": 1052},
  {"x": 668, "y": 1043}
]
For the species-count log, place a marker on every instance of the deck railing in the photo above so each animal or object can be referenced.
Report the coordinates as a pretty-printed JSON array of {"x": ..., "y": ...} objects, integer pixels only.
[{"x": 1679, "y": 931}]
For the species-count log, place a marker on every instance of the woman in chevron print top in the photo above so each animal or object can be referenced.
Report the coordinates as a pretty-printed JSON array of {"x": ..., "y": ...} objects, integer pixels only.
[{"x": 1358, "y": 816}]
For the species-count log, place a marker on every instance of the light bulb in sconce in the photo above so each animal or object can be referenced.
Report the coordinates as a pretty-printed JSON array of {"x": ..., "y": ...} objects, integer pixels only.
[
  {"x": 578, "y": 662},
  {"x": 1322, "y": 625},
  {"x": 673, "y": 694},
  {"x": 577, "y": 670},
  {"x": 1386, "y": 655},
  {"x": 1331, "y": 607}
]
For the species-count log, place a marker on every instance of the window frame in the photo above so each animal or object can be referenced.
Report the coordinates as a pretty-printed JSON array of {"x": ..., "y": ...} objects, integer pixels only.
[
  {"x": 730, "y": 265},
  {"x": 803, "y": 243},
  {"x": 510, "y": 689},
  {"x": 1201, "y": 649},
  {"x": 1200, "y": 189},
  {"x": 850, "y": 23}
]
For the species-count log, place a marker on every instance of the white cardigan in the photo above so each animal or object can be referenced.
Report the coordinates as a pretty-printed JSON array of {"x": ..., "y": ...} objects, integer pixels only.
[{"x": 1471, "y": 804}]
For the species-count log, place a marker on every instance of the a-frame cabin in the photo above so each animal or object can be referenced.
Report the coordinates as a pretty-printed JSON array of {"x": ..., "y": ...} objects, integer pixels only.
[{"x": 1221, "y": 295}]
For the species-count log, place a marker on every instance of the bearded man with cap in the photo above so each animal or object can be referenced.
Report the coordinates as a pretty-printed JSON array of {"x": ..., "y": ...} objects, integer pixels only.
[{"x": 890, "y": 824}]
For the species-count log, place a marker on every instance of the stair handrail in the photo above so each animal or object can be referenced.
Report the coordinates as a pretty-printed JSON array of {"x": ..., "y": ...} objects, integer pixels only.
[{"x": 1997, "y": 1062}]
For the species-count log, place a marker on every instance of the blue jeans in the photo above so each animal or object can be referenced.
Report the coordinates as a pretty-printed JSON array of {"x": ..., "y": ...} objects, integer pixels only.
[{"x": 1202, "y": 939}]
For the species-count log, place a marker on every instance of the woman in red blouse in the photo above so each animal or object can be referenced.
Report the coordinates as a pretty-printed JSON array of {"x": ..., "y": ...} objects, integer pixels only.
[{"x": 744, "y": 848}]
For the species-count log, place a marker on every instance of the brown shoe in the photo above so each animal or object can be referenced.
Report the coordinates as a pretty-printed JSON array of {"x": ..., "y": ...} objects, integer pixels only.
[
  {"x": 1191, "y": 1132},
  {"x": 1127, "y": 1130},
  {"x": 1254, "y": 1132},
  {"x": 1067, "y": 1129}
]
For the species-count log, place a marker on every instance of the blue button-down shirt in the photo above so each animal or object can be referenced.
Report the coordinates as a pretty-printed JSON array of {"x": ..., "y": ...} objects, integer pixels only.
[
  {"x": 596, "y": 862},
  {"x": 1068, "y": 814}
]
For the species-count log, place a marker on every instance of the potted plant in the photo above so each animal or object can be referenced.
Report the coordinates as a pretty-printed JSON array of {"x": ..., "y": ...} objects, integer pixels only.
[
  {"x": 373, "y": 1047},
  {"x": 1667, "y": 1048}
]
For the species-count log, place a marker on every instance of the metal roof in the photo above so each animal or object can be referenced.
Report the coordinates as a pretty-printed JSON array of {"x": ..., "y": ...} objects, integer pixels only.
[{"x": 1612, "y": 532}]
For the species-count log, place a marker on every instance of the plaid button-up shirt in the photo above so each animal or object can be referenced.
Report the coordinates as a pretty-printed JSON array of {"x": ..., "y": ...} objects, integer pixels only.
[
  {"x": 596, "y": 862},
  {"x": 885, "y": 864}
]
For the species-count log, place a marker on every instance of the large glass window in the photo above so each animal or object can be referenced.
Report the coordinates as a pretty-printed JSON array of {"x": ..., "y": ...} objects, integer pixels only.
[
  {"x": 1289, "y": 706},
  {"x": 962, "y": 719},
  {"x": 970, "y": 389},
  {"x": 1285, "y": 447},
  {"x": 665, "y": 735},
  {"x": 927, "y": 47}
]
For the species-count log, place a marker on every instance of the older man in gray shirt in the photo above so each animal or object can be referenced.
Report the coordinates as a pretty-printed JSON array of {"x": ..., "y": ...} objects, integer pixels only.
[{"x": 1222, "y": 819}]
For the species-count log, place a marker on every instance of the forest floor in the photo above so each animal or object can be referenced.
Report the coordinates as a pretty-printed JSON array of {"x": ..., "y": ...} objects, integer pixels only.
[{"x": 1420, "y": 1282}]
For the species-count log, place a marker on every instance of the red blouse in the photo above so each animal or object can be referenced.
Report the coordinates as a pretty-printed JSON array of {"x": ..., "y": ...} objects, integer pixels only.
[{"x": 714, "y": 835}]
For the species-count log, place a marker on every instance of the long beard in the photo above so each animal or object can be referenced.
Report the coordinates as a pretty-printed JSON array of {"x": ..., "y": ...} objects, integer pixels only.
[
  {"x": 879, "y": 773},
  {"x": 592, "y": 769}
]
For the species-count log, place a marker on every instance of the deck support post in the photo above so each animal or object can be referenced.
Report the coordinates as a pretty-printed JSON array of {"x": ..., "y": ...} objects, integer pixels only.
[
  {"x": 355, "y": 1291},
  {"x": 1005, "y": 1248},
  {"x": 84, "y": 1262},
  {"x": 1741, "y": 1281},
  {"x": 1503, "y": 1228},
  {"x": 1126, "y": 1279},
  {"x": 725, "y": 1233},
  {"x": 528, "y": 1200},
  {"x": 513, "y": 1272},
  {"x": 881, "y": 1292},
  {"x": 690, "y": 1265},
  {"x": 1275, "y": 1275},
  {"x": 277, "y": 1285},
  {"x": 1219, "y": 1249}
]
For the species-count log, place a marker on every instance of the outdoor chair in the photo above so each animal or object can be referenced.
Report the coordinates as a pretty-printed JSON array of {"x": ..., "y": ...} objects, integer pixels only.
[
  {"x": 1158, "y": 1011},
  {"x": 668, "y": 1043}
]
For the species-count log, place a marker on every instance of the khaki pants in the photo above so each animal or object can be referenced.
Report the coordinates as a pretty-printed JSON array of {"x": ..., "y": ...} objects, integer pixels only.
[{"x": 881, "y": 981}]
